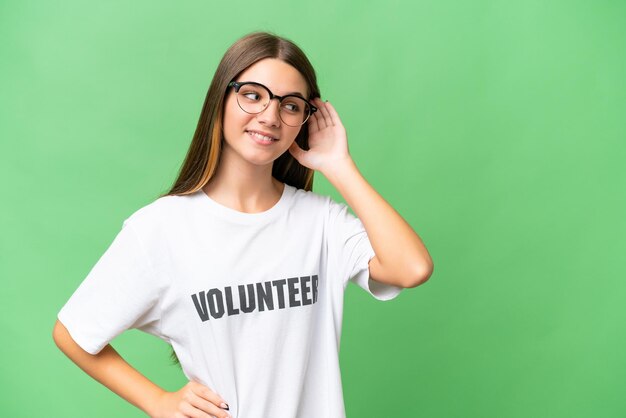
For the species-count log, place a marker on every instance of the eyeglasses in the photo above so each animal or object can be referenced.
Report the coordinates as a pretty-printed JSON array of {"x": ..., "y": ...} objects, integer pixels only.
[{"x": 254, "y": 97}]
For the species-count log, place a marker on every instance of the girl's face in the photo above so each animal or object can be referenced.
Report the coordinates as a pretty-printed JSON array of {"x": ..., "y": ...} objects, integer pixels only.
[{"x": 281, "y": 78}]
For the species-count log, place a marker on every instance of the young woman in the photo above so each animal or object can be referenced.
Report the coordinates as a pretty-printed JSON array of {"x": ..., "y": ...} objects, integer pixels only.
[{"x": 240, "y": 266}]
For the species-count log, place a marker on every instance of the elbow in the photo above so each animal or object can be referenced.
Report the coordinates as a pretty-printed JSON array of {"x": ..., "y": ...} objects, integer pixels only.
[
  {"x": 56, "y": 333},
  {"x": 61, "y": 336},
  {"x": 420, "y": 275}
]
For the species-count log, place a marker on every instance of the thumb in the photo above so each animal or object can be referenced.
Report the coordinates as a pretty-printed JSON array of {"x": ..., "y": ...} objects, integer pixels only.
[{"x": 296, "y": 151}]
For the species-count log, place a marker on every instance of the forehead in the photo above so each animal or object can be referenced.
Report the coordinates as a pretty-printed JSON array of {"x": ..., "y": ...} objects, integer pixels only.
[{"x": 277, "y": 75}]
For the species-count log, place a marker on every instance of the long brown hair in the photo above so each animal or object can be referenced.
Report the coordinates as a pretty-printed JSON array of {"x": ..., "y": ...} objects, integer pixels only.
[{"x": 204, "y": 152}]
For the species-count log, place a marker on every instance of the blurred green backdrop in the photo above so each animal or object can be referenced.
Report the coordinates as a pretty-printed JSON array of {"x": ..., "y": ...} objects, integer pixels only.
[{"x": 496, "y": 128}]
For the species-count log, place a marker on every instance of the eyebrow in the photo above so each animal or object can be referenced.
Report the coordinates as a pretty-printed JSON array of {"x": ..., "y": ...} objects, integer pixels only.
[{"x": 297, "y": 93}]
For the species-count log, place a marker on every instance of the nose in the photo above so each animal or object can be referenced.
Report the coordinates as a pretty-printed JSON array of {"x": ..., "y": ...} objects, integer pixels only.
[{"x": 270, "y": 115}]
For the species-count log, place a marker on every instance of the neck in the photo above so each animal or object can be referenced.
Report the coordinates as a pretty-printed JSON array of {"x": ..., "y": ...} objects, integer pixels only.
[{"x": 243, "y": 186}]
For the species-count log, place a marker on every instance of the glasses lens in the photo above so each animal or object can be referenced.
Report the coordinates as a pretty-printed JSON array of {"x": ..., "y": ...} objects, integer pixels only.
[
  {"x": 253, "y": 98},
  {"x": 294, "y": 111}
]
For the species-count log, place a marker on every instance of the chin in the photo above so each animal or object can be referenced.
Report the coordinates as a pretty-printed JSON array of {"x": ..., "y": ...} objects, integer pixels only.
[{"x": 259, "y": 160}]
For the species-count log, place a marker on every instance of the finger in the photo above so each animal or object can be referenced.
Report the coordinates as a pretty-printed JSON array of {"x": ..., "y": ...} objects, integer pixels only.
[
  {"x": 199, "y": 408},
  {"x": 327, "y": 119},
  {"x": 319, "y": 117},
  {"x": 333, "y": 114},
  {"x": 206, "y": 395},
  {"x": 182, "y": 410},
  {"x": 313, "y": 126},
  {"x": 296, "y": 151},
  {"x": 191, "y": 411}
]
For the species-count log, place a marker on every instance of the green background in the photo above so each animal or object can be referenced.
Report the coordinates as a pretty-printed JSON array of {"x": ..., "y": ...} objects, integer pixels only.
[{"x": 496, "y": 129}]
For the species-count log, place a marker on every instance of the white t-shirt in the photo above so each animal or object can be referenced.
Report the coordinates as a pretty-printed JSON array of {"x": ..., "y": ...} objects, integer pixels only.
[{"x": 252, "y": 303}]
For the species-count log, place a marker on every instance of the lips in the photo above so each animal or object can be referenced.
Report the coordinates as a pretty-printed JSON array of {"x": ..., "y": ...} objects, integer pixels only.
[{"x": 263, "y": 133}]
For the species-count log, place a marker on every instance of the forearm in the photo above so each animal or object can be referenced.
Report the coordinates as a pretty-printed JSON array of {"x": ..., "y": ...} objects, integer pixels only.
[
  {"x": 397, "y": 246},
  {"x": 111, "y": 370}
]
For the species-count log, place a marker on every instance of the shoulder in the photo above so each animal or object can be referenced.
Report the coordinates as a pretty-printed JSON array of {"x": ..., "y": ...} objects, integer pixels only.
[
  {"x": 160, "y": 212},
  {"x": 311, "y": 201}
]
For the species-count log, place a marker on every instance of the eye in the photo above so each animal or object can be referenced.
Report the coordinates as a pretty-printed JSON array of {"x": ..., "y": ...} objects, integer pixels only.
[
  {"x": 251, "y": 95},
  {"x": 292, "y": 107}
]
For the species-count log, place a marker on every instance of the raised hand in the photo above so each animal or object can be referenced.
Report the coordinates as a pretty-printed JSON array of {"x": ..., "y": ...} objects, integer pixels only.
[{"x": 328, "y": 141}]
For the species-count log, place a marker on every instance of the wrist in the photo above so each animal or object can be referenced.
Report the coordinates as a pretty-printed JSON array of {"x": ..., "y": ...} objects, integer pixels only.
[
  {"x": 153, "y": 405},
  {"x": 338, "y": 169}
]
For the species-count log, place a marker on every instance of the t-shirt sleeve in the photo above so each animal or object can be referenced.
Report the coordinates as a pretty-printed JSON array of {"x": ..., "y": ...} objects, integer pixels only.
[
  {"x": 350, "y": 251},
  {"x": 122, "y": 291}
]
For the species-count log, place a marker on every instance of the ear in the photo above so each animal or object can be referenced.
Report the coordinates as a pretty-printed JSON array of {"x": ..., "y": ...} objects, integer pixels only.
[{"x": 303, "y": 135}]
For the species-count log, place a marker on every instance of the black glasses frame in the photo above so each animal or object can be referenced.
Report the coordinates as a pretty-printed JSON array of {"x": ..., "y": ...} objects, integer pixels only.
[{"x": 238, "y": 84}]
